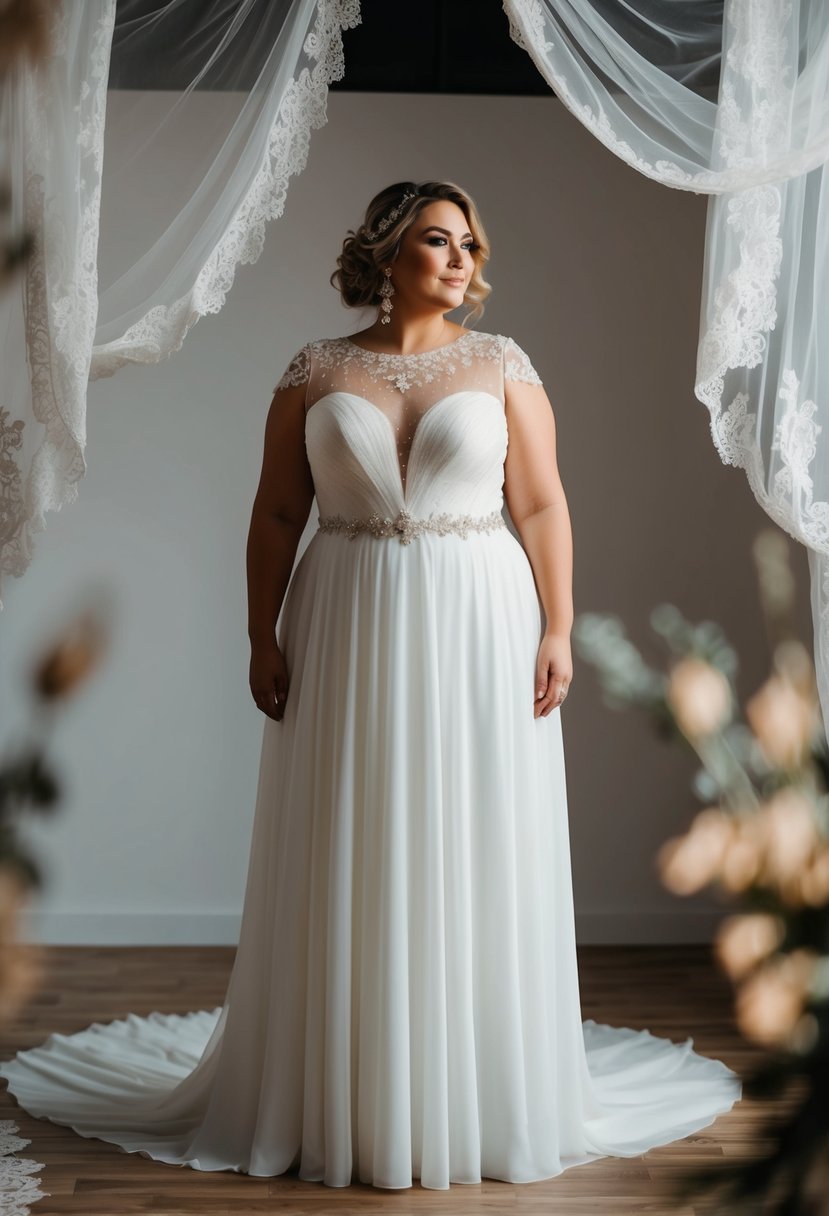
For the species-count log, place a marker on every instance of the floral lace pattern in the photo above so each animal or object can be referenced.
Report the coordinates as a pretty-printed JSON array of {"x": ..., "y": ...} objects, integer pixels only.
[
  {"x": 416, "y": 370},
  {"x": 12, "y": 505},
  {"x": 755, "y": 53},
  {"x": 405, "y": 388},
  {"x": 744, "y": 311},
  {"x": 61, "y": 277},
  {"x": 18, "y": 1189},
  {"x": 298, "y": 370},
  {"x": 302, "y": 109}
]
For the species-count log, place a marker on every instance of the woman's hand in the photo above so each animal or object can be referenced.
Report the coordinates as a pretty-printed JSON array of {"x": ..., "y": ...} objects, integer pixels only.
[
  {"x": 269, "y": 680},
  {"x": 553, "y": 673}
]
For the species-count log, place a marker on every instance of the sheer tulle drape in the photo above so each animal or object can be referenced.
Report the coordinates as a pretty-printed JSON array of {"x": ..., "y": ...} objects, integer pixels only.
[
  {"x": 52, "y": 132},
  {"x": 267, "y": 65},
  {"x": 639, "y": 84},
  {"x": 728, "y": 99}
]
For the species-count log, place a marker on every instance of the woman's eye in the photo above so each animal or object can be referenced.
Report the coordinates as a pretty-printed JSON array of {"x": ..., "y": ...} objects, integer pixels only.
[{"x": 470, "y": 245}]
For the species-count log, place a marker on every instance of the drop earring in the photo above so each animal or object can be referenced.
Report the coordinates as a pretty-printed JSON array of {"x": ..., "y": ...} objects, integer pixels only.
[{"x": 386, "y": 291}]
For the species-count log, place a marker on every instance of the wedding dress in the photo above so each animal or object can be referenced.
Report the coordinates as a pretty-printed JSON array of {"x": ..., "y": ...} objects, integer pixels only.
[{"x": 404, "y": 1001}]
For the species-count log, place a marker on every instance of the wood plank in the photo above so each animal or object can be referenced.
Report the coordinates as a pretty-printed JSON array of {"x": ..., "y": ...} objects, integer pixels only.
[{"x": 672, "y": 991}]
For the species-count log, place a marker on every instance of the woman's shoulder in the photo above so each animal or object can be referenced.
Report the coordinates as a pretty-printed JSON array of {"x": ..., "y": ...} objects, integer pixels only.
[
  {"x": 298, "y": 368},
  {"x": 517, "y": 363},
  {"x": 495, "y": 342}
]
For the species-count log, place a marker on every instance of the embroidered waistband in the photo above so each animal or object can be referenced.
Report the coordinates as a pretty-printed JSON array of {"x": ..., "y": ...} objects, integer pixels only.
[{"x": 405, "y": 527}]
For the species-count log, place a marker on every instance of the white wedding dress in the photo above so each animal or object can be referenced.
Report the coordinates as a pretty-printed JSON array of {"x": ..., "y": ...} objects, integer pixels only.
[{"x": 404, "y": 1001}]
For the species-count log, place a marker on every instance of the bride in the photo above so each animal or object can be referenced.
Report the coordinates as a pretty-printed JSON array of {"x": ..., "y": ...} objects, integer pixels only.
[
  {"x": 432, "y": 267},
  {"x": 404, "y": 1001}
]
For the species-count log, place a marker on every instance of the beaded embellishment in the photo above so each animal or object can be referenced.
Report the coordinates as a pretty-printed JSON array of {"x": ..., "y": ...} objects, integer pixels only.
[
  {"x": 373, "y": 234},
  {"x": 405, "y": 527},
  {"x": 411, "y": 371}
]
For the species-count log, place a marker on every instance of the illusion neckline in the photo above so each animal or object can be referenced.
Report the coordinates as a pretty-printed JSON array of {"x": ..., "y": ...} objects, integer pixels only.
[{"x": 418, "y": 354}]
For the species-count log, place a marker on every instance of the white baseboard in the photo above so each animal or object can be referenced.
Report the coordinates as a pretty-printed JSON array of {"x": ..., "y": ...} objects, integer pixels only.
[{"x": 654, "y": 928}]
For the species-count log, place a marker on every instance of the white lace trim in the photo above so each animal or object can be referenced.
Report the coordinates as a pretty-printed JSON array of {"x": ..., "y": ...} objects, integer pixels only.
[
  {"x": 302, "y": 109},
  {"x": 754, "y": 56},
  {"x": 18, "y": 1189},
  {"x": 792, "y": 505},
  {"x": 517, "y": 364},
  {"x": 298, "y": 370},
  {"x": 61, "y": 297},
  {"x": 745, "y": 303},
  {"x": 415, "y": 370},
  {"x": 745, "y": 309},
  {"x": 795, "y": 438}
]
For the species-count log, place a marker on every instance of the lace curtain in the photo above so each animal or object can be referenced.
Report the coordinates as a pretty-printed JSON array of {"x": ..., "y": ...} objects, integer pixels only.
[
  {"x": 51, "y": 134},
  {"x": 759, "y": 148},
  {"x": 723, "y": 97},
  {"x": 267, "y": 65}
]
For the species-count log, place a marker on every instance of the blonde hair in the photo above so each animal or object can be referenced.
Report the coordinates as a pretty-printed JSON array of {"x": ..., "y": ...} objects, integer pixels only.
[{"x": 359, "y": 266}]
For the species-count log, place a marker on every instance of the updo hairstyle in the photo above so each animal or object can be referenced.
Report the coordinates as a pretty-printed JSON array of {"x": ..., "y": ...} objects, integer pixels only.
[{"x": 359, "y": 274}]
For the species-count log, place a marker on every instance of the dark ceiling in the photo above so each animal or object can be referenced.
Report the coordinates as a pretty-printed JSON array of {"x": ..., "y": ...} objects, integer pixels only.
[
  {"x": 436, "y": 46},
  {"x": 428, "y": 46}
]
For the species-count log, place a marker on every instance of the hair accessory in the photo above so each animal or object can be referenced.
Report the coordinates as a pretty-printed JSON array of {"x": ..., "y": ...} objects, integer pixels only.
[
  {"x": 373, "y": 233},
  {"x": 386, "y": 290}
]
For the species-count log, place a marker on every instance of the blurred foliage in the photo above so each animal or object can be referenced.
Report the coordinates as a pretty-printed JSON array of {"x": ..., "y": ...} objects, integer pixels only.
[{"x": 763, "y": 844}]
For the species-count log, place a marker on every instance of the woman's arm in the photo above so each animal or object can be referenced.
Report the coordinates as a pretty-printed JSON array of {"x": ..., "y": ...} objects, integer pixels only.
[
  {"x": 280, "y": 511},
  {"x": 538, "y": 508}
]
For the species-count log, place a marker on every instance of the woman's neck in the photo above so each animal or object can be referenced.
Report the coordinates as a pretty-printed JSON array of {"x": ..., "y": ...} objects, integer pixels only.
[{"x": 407, "y": 337}]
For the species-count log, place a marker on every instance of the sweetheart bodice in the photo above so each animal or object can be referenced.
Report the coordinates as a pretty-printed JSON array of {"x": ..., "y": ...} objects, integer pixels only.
[
  {"x": 456, "y": 461},
  {"x": 424, "y": 432}
]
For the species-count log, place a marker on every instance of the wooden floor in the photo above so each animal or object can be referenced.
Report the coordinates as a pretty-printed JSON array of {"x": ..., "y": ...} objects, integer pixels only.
[{"x": 671, "y": 991}]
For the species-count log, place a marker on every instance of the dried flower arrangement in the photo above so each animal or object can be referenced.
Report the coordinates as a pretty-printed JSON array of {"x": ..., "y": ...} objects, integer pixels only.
[
  {"x": 762, "y": 844},
  {"x": 28, "y": 782}
]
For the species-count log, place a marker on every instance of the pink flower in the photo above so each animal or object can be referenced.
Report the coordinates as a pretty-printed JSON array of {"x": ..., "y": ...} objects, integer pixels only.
[
  {"x": 699, "y": 696},
  {"x": 770, "y": 1002},
  {"x": 789, "y": 835},
  {"x": 814, "y": 880},
  {"x": 743, "y": 941},
  {"x": 783, "y": 717},
  {"x": 687, "y": 863},
  {"x": 743, "y": 858}
]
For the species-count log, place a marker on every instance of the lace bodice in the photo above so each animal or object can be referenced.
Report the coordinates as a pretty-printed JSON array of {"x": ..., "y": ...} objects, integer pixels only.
[{"x": 406, "y": 387}]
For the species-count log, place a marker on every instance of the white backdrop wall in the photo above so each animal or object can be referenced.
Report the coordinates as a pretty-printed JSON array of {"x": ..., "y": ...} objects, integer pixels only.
[{"x": 160, "y": 751}]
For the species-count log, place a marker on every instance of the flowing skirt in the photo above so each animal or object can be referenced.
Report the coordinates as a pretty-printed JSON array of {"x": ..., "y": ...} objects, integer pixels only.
[{"x": 404, "y": 1002}]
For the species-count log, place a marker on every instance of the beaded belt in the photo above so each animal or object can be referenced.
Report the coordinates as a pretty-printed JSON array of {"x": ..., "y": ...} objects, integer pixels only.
[{"x": 405, "y": 527}]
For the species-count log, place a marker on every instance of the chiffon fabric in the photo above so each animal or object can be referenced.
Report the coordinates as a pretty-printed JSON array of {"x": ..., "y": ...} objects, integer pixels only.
[{"x": 404, "y": 1002}]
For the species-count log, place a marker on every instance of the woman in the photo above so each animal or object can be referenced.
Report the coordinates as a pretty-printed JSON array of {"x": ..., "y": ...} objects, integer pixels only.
[
  {"x": 437, "y": 265},
  {"x": 404, "y": 1001}
]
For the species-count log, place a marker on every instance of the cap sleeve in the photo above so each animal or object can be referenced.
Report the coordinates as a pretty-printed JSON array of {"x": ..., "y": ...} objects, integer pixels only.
[
  {"x": 298, "y": 370},
  {"x": 517, "y": 365}
]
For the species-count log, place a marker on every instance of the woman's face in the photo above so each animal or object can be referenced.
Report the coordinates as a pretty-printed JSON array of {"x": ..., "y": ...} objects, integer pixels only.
[{"x": 435, "y": 262}]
